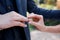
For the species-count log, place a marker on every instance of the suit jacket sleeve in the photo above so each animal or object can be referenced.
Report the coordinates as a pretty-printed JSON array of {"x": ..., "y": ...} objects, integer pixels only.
[{"x": 50, "y": 14}]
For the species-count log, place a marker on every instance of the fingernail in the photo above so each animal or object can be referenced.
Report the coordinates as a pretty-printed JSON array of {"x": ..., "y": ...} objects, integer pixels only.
[{"x": 25, "y": 26}]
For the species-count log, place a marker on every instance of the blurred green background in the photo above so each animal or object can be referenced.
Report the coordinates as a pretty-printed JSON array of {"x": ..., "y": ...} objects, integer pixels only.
[{"x": 49, "y": 5}]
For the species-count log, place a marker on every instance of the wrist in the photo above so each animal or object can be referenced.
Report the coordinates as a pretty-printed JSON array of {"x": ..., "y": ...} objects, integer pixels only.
[{"x": 43, "y": 28}]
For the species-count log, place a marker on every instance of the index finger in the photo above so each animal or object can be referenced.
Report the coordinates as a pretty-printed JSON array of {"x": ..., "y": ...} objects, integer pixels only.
[{"x": 34, "y": 16}]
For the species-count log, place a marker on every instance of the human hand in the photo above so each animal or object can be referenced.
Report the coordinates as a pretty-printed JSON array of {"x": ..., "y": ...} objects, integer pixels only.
[
  {"x": 37, "y": 21},
  {"x": 12, "y": 19}
]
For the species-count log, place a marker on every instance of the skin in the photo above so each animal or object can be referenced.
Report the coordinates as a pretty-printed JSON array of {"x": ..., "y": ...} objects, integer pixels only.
[
  {"x": 12, "y": 19},
  {"x": 40, "y": 24}
]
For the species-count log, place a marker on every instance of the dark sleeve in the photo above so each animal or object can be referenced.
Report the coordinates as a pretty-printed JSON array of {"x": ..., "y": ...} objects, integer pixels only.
[{"x": 50, "y": 14}]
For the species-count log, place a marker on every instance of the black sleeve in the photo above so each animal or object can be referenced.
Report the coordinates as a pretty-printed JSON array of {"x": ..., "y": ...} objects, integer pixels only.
[{"x": 49, "y": 14}]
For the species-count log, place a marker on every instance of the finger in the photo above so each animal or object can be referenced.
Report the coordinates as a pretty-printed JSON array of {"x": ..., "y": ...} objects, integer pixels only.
[
  {"x": 17, "y": 16},
  {"x": 41, "y": 19},
  {"x": 37, "y": 25},
  {"x": 20, "y": 19},
  {"x": 23, "y": 18},
  {"x": 34, "y": 16},
  {"x": 31, "y": 15},
  {"x": 20, "y": 24},
  {"x": 33, "y": 23}
]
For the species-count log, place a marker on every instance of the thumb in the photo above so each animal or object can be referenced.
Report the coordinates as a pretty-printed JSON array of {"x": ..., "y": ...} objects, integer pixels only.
[
  {"x": 41, "y": 19},
  {"x": 33, "y": 23}
]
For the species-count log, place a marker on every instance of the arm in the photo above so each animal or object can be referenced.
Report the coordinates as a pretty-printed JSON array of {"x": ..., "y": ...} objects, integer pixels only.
[
  {"x": 39, "y": 24},
  {"x": 50, "y": 14},
  {"x": 52, "y": 29}
]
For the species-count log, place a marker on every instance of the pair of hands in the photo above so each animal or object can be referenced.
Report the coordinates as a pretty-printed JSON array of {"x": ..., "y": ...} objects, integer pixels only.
[{"x": 14, "y": 19}]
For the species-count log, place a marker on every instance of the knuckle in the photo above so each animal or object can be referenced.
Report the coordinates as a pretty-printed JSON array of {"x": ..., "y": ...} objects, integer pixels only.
[
  {"x": 13, "y": 12},
  {"x": 22, "y": 24},
  {"x": 41, "y": 16},
  {"x": 14, "y": 23},
  {"x": 13, "y": 18},
  {"x": 35, "y": 15}
]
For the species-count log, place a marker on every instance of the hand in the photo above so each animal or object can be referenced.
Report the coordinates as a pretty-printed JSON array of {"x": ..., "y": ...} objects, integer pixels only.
[
  {"x": 12, "y": 19},
  {"x": 37, "y": 21}
]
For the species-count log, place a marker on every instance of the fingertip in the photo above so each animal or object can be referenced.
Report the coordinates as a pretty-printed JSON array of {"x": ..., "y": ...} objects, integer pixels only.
[{"x": 23, "y": 25}]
